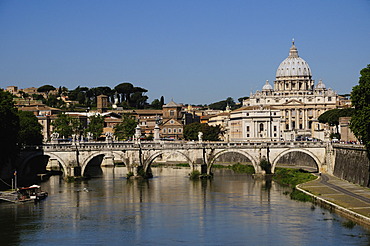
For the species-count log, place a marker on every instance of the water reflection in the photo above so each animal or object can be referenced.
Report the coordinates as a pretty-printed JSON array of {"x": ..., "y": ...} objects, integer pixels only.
[{"x": 171, "y": 210}]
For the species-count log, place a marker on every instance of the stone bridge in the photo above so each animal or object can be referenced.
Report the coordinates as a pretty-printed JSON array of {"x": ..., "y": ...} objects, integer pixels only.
[{"x": 74, "y": 158}]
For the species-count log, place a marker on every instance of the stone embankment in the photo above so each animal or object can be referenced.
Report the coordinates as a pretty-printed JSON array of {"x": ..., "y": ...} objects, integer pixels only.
[
  {"x": 351, "y": 163},
  {"x": 340, "y": 196}
]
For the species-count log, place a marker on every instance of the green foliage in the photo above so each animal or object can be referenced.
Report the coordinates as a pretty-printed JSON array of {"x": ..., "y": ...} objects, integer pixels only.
[
  {"x": 9, "y": 127},
  {"x": 331, "y": 117},
  {"x": 360, "y": 96},
  {"x": 241, "y": 99},
  {"x": 30, "y": 129},
  {"x": 46, "y": 88},
  {"x": 210, "y": 133},
  {"x": 349, "y": 224},
  {"x": 156, "y": 104},
  {"x": 221, "y": 105},
  {"x": 182, "y": 165},
  {"x": 129, "y": 175},
  {"x": 292, "y": 177},
  {"x": 54, "y": 101},
  {"x": 132, "y": 96},
  {"x": 300, "y": 196},
  {"x": 239, "y": 168},
  {"x": 266, "y": 166},
  {"x": 96, "y": 125},
  {"x": 66, "y": 126},
  {"x": 194, "y": 175},
  {"x": 126, "y": 129}
]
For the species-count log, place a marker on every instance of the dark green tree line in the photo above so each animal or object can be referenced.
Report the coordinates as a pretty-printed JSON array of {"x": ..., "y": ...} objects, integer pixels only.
[
  {"x": 360, "y": 96},
  {"x": 126, "y": 129},
  {"x": 210, "y": 133}
]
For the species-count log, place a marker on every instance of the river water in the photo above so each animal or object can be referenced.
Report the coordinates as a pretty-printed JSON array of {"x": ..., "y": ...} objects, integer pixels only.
[{"x": 170, "y": 209}]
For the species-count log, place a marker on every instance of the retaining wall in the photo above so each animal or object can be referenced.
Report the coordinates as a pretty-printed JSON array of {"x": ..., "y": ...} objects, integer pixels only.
[{"x": 352, "y": 164}]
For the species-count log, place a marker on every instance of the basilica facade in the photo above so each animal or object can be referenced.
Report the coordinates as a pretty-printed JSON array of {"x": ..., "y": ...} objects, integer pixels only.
[{"x": 286, "y": 111}]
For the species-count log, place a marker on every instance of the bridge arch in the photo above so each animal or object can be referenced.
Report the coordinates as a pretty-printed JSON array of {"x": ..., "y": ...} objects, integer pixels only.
[
  {"x": 218, "y": 154},
  {"x": 309, "y": 153},
  {"x": 51, "y": 155},
  {"x": 87, "y": 159},
  {"x": 151, "y": 158}
]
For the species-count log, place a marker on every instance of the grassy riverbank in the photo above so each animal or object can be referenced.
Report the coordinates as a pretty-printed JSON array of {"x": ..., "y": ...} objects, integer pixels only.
[
  {"x": 238, "y": 168},
  {"x": 292, "y": 177}
]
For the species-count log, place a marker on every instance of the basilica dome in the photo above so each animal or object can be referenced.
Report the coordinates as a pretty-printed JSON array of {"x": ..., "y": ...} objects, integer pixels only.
[{"x": 293, "y": 65}]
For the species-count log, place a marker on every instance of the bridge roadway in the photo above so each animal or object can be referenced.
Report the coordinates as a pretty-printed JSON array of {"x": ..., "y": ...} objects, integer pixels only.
[{"x": 74, "y": 157}]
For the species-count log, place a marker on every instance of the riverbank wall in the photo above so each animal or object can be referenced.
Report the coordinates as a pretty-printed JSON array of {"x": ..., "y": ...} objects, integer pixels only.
[
  {"x": 352, "y": 164},
  {"x": 347, "y": 213}
]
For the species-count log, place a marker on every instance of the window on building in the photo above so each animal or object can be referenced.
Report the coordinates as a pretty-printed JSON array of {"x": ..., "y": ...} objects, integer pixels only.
[
  {"x": 247, "y": 128},
  {"x": 329, "y": 99},
  {"x": 293, "y": 125},
  {"x": 257, "y": 100},
  {"x": 300, "y": 126},
  {"x": 261, "y": 127},
  {"x": 275, "y": 128},
  {"x": 247, "y": 135},
  {"x": 274, "y": 135},
  {"x": 174, "y": 130},
  {"x": 171, "y": 121},
  {"x": 287, "y": 127},
  {"x": 164, "y": 130},
  {"x": 180, "y": 130},
  {"x": 172, "y": 112},
  {"x": 169, "y": 130}
]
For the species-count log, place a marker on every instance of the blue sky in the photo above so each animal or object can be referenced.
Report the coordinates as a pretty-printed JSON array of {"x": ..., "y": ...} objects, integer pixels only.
[{"x": 195, "y": 52}]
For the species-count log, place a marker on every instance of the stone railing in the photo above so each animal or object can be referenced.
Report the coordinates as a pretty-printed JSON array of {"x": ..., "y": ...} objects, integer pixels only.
[{"x": 122, "y": 145}]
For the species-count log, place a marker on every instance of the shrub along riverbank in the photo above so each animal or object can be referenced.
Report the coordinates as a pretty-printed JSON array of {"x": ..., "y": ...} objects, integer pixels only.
[{"x": 292, "y": 177}]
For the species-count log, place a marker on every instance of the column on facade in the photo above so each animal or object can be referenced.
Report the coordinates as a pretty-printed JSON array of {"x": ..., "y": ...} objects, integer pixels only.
[
  {"x": 251, "y": 129},
  {"x": 296, "y": 118},
  {"x": 290, "y": 119},
  {"x": 256, "y": 129}
]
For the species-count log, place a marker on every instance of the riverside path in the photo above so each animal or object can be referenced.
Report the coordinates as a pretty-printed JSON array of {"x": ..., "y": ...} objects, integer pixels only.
[{"x": 343, "y": 197}]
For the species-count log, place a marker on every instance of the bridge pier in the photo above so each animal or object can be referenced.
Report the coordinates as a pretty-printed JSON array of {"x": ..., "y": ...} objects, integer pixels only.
[
  {"x": 137, "y": 157},
  {"x": 108, "y": 161},
  {"x": 53, "y": 165}
]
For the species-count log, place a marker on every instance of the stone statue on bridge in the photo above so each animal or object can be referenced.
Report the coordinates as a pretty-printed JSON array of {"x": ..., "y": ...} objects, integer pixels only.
[{"x": 200, "y": 137}]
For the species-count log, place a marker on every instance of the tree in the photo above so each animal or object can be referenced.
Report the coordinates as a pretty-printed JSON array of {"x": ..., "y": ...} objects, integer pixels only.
[
  {"x": 66, "y": 126},
  {"x": 54, "y": 101},
  {"x": 221, "y": 105},
  {"x": 30, "y": 129},
  {"x": 331, "y": 117},
  {"x": 360, "y": 96},
  {"x": 9, "y": 127},
  {"x": 124, "y": 89},
  {"x": 242, "y": 99},
  {"x": 46, "y": 88},
  {"x": 156, "y": 104},
  {"x": 125, "y": 129},
  {"x": 95, "y": 126},
  {"x": 210, "y": 133}
]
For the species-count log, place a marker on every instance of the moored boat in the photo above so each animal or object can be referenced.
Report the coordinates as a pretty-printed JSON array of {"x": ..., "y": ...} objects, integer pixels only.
[{"x": 25, "y": 194}]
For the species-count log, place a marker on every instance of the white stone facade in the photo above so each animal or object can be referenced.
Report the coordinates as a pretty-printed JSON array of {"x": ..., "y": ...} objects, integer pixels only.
[{"x": 296, "y": 98}]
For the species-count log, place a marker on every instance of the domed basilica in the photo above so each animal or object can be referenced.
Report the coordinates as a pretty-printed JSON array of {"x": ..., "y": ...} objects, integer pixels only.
[{"x": 287, "y": 111}]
